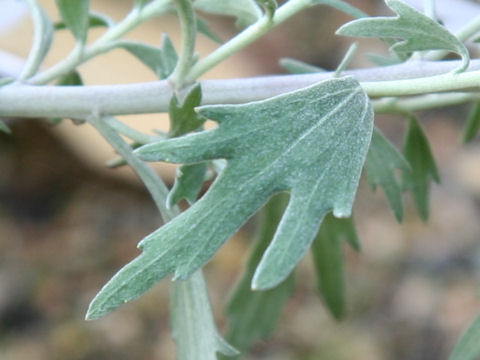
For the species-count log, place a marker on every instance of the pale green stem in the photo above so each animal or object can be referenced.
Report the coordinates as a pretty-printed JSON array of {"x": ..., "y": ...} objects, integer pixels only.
[
  {"x": 246, "y": 37},
  {"x": 346, "y": 59},
  {"x": 131, "y": 133},
  {"x": 430, "y": 9},
  {"x": 104, "y": 43},
  {"x": 188, "y": 24}
]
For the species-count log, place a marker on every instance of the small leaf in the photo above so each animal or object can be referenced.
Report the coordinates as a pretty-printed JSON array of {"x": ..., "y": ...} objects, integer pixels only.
[
  {"x": 468, "y": 347},
  {"x": 204, "y": 28},
  {"x": 161, "y": 61},
  {"x": 188, "y": 183},
  {"x": 194, "y": 329},
  {"x": 423, "y": 169},
  {"x": 269, "y": 6},
  {"x": 42, "y": 41},
  {"x": 253, "y": 314},
  {"x": 342, "y": 6},
  {"x": 311, "y": 142},
  {"x": 382, "y": 160},
  {"x": 328, "y": 259},
  {"x": 418, "y": 32},
  {"x": 94, "y": 20},
  {"x": 75, "y": 16},
  {"x": 4, "y": 128},
  {"x": 183, "y": 117},
  {"x": 73, "y": 78},
  {"x": 246, "y": 11},
  {"x": 470, "y": 131},
  {"x": 294, "y": 66}
]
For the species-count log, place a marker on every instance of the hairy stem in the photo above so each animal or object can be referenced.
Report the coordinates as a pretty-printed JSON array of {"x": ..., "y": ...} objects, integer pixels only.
[
  {"x": 153, "y": 97},
  {"x": 188, "y": 24}
]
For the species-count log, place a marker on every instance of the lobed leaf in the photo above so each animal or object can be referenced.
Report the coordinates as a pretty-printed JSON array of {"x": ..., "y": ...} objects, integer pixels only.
[
  {"x": 418, "y": 32},
  {"x": 468, "y": 347},
  {"x": 246, "y": 11},
  {"x": 193, "y": 325},
  {"x": 423, "y": 169},
  {"x": 312, "y": 142},
  {"x": 253, "y": 314},
  {"x": 470, "y": 131},
  {"x": 183, "y": 117},
  {"x": 188, "y": 183},
  {"x": 75, "y": 16},
  {"x": 328, "y": 259},
  {"x": 382, "y": 160}
]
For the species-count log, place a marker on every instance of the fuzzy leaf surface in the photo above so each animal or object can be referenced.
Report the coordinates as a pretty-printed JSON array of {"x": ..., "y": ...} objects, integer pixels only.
[
  {"x": 194, "y": 329},
  {"x": 418, "y": 32},
  {"x": 423, "y": 168},
  {"x": 183, "y": 117},
  {"x": 246, "y": 11},
  {"x": 161, "y": 61},
  {"x": 468, "y": 347},
  {"x": 254, "y": 314},
  {"x": 188, "y": 183},
  {"x": 75, "y": 16},
  {"x": 311, "y": 142},
  {"x": 382, "y": 160},
  {"x": 328, "y": 259}
]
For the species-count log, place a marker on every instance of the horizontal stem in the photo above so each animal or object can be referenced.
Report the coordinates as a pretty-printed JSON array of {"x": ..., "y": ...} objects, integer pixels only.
[{"x": 412, "y": 78}]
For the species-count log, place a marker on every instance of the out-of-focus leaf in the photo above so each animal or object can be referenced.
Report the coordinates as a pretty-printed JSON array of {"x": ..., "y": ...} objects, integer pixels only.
[
  {"x": 418, "y": 32},
  {"x": 294, "y": 66},
  {"x": 254, "y": 314},
  {"x": 342, "y": 6},
  {"x": 94, "y": 20},
  {"x": 188, "y": 183},
  {"x": 183, "y": 117},
  {"x": 4, "y": 128},
  {"x": 193, "y": 325},
  {"x": 382, "y": 160},
  {"x": 43, "y": 36},
  {"x": 269, "y": 6},
  {"x": 73, "y": 78},
  {"x": 161, "y": 61},
  {"x": 246, "y": 11},
  {"x": 384, "y": 60},
  {"x": 423, "y": 169},
  {"x": 75, "y": 16},
  {"x": 470, "y": 131},
  {"x": 6, "y": 81},
  {"x": 312, "y": 142},
  {"x": 468, "y": 347},
  {"x": 204, "y": 28},
  {"x": 328, "y": 259}
]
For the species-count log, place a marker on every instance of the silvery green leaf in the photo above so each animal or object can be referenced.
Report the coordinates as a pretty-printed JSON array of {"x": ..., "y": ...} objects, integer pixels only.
[
  {"x": 328, "y": 259},
  {"x": 417, "y": 31},
  {"x": 193, "y": 325},
  {"x": 342, "y": 6},
  {"x": 4, "y": 128},
  {"x": 246, "y": 11},
  {"x": 311, "y": 142},
  {"x": 75, "y": 16},
  {"x": 204, "y": 28},
  {"x": 294, "y": 66},
  {"x": 382, "y": 161},
  {"x": 43, "y": 36},
  {"x": 161, "y": 61},
  {"x": 188, "y": 183},
  {"x": 470, "y": 131},
  {"x": 94, "y": 20},
  {"x": 423, "y": 169},
  {"x": 468, "y": 347},
  {"x": 183, "y": 117},
  {"x": 253, "y": 314}
]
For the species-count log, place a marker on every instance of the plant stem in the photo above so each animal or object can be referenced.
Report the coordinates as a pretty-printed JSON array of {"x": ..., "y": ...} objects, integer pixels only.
[
  {"x": 131, "y": 133},
  {"x": 246, "y": 37},
  {"x": 104, "y": 43},
  {"x": 188, "y": 24},
  {"x": 81, "y": 101}
]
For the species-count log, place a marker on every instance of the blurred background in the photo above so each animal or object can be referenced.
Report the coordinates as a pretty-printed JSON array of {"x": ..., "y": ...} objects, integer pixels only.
[{"x": 67, "y": 223}]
